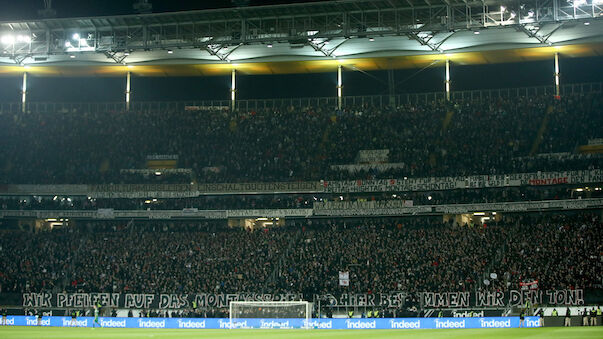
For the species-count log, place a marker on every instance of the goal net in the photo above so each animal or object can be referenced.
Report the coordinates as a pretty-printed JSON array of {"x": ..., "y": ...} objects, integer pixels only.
[{"x": 272, "y": 314}]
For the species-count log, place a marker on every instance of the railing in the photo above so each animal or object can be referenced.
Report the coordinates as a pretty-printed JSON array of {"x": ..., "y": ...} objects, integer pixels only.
[{"x": 348, "y": 101}]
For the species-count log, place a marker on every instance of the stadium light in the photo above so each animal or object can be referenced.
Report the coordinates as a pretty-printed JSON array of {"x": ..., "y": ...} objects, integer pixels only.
[
  {"x": 8, "y": 39},
  {"x": 586, "y": 23},
  {"x": 170, "y": 51},
  {"x": 476, "y": 32},
  {"x": 371, "y": 39},
  {"x": 68, "y": 44},
  {"x": 72, "y": 56},
  {"x": 76, "y": 36},
  {"x": 269, "y": 45},
  {"x": 578, "y": 3}
]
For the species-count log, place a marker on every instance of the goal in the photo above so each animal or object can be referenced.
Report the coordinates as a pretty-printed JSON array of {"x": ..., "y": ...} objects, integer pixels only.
[{"x": 270, "y": 314}]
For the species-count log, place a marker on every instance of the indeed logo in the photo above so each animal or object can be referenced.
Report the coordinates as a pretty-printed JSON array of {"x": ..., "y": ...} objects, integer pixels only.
[
  {"x": 151, "y": 324},
  {"x": 32, "y": 321},
  {"x": 467, "y": 314},
  {"x": 79, "y": 323},
  {"x": 113, "y": 323},
  {"x": 450, "y": 323},
  {"x": 361, "y": 324},
  {"x": 405, "y": 324},
  {"x": 232, "y": 324},
  {"x": 495, "y": 323},
  {"x": 273, "y": 324},
  {"x": 532, "y": 323},
  {"x": 191, "y": 324},
  {"x": 319, "y": 324},
  {"x": 8, "y": 321}
]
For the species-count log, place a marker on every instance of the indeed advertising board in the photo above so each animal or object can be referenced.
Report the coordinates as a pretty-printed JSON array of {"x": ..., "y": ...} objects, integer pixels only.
[{"x": 220, "y": 323}]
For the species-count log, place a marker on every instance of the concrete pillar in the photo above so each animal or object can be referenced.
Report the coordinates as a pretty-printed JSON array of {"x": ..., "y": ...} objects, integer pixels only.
[
  {"x": 128, "y": 92},
  {"x": 339, "y": 87}
]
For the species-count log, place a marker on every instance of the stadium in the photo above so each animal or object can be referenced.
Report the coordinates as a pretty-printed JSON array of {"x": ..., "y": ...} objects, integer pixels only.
[{"x": 345, "y": 168}]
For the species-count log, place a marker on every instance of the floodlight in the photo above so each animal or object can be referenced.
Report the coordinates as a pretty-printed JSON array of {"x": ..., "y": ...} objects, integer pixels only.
[
  {"x": 8, "y": 39},
  {"x": 76, "y": 36}
]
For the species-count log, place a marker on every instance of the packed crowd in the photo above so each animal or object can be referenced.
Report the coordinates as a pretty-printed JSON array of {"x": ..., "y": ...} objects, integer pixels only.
[
  {"x": 289, "y": 144},
  {"x": 382, "y": 255}
]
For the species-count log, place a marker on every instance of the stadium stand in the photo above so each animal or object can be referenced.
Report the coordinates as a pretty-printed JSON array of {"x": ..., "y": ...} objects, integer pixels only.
[
  {"x": 411, "y": 254},
  {"x": 289, "y": 144}
]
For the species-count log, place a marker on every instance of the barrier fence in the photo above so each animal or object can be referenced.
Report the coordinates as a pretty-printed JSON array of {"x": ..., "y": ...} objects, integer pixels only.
[
  {"x": 347, "y": 101},
  {"x": 281, "y": 323}
]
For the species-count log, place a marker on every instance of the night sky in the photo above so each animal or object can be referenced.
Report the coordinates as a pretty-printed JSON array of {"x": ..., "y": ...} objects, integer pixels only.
[
  {"x": 539, "y": 73},
  {"x": 27, "y": 9}
]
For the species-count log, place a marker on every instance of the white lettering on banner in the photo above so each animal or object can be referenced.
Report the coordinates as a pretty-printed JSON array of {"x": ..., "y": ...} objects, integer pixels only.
[
  {"x": 191, "y": 324},
  {"x": 273, "y": 324},
  {"x": 532, "y": 323},
  {"x": 10, "y": 321},
  {"x": 318, "y": 324},
  {"x": 139, "y": 300},
  {"x": 467, "y": 314},
  {"x": 490, "y": 299},
  {"x": 403, "y": 324},
  {"x": 37, "y": 300},
  {"x": 360, "y": 324},
  {"x": 299, "y": 212},
  {"x": 345, "y": 205},
  {"x": 450, "y": 323},
  {"x": 476, "y": 181},
  {"x": 113, "y": 323},
  {"x": 151, "y": 323},
  {"x": 33, "y": 321},
  {"x": 173, "y": 301},
  {"x": 232, "y": 324},
  {"x": 495, "y": 323},
  {"x": 460, "y": 300},
  {"x": 445, "y": 299},
  {"x": 372, "y": 156},
  {"x": 80, "y": 323}
]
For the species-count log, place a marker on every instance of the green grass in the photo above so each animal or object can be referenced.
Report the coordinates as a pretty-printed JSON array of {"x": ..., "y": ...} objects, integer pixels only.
[{"x": 110, "y": 333}]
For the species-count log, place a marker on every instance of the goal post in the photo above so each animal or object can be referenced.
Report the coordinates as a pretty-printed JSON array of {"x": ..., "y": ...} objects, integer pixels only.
[{"x": 270, "y": 314}]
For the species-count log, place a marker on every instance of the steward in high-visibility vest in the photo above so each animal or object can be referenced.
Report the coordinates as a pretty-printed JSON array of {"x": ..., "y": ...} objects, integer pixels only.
[
  {"x": 369, "y": 314},
  {"x": 554, "y": 313},
  {"x": 376, "y": 314},
  {"x": 350, "y": 314},
  {"x": 440, "y": 314}
]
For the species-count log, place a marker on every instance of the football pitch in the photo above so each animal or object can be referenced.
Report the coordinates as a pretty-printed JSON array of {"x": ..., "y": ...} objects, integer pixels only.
[{"x": 111, "y": 333}]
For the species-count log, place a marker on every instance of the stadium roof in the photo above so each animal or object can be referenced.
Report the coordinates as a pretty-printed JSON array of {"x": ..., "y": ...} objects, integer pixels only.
[{"x": 311, "y": 37}]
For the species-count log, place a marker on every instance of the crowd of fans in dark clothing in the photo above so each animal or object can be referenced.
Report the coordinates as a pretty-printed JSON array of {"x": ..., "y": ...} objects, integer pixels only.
[
  {"x": 290, "y": 144},
  {"x": 382, "y": 255}
]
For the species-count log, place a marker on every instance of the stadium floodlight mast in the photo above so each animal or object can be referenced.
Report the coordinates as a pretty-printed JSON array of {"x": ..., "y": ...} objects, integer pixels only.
[{"x": 270, "y": 312}]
